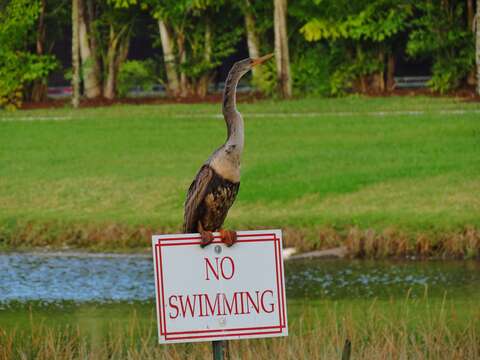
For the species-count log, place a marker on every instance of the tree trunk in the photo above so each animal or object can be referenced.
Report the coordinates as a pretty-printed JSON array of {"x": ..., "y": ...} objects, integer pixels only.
[
  {"x": 390, "y": 72},
  {"x": 470, "y": 14},
  {"x": 252, "y": 40},
  {"x": 169, "y": 59},
  {"x": 122, "y": 53},
  {"x": 470, "y": 25},
  {"x": 75, "y": 56},
  {"x": 380, "y": 81},
  {"x": 183, "y": 59},
  {"x": 116, "y": 54},
  {"x": 109, "y": 85},
  {"x": 41, "y": 28},
  {"x": 477, "y": 48},
  {"x": 204, "y": 81},
  {"x": 363, "y": 83},
  {"x": 94, "y": 50},
  {"x": 281, "y": 48},
  {"x": 91, "y": 73},
  {"x": 39, "y": 91}
]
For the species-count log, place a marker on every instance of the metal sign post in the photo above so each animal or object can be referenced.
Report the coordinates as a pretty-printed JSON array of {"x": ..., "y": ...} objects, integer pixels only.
[{"x": 219, "y": 349}]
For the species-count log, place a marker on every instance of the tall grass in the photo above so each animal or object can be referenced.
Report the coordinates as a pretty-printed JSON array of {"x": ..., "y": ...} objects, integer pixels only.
[
  {"x": 463, "y": 243},
  {"x": 403, "y": 329}
]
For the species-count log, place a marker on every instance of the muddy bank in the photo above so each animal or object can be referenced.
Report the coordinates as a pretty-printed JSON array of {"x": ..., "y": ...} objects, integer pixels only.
[
  {"x": 355, "y": 242},
  {"x": 99, "y": 102}
]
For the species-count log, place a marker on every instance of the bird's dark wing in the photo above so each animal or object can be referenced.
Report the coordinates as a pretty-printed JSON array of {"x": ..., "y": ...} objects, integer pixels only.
[{"x": 196, "y": 194}]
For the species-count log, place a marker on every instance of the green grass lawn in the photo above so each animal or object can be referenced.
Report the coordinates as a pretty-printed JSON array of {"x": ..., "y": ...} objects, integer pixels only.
[{"x": 408, "y": 163}]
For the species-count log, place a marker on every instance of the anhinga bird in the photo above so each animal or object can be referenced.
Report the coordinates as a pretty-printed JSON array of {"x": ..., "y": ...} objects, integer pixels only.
[{"x": 215, "y": 187}]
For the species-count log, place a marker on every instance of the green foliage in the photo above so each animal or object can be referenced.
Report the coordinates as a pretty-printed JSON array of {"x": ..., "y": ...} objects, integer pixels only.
[
  {"x": 438, "y": 31},
  {"x": 16, "y": 21},
  {"x": 17, "y": 70},
  {"x": 377, "y": 21},
  {"x": 204, "y": 36},
  {"x": 207, "y": 36},
  {"x": 347, "y": 73},
  {"x": 267, "y": 82},
  {"x": 18, "y": 66},
  {"x": 310, "y": 70},
  {"x": 447, "y": 73},
  {"x": 122, "y": 3},
  {"x": 441, "y": 33},
  {"x": 135, "y": 73},
  {"x": 363, "y": 31},
  {"x": 222, "y": 45},
  {"x": 261, "y": 12},
  {"x": 342, "y": 79},
  {"x": 353, "y": 39}
]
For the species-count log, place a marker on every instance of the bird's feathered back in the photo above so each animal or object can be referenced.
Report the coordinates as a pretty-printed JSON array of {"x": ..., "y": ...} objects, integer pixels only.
[{"x": 196, "y": 194}]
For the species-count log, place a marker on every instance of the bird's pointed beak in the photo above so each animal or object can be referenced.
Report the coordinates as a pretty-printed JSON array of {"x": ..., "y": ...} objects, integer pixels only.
[{"x": 262, "y": 59}]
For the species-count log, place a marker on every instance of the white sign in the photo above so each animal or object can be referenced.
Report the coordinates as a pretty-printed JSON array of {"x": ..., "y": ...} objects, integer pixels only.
[{"x": 219, "y": 292}]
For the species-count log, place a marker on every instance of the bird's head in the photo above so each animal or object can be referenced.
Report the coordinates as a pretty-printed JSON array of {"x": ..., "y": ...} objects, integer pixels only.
[{"x": 243, "y": 66}]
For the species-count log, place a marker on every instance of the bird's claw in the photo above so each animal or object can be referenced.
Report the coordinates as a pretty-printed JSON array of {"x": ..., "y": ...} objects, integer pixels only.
[
  {"x": 228, "y": 237},
  {"x": 206, "y": 237}
]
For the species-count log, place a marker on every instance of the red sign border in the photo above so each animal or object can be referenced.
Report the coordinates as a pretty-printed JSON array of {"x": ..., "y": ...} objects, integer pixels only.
[{"x": 206, "y": 334}]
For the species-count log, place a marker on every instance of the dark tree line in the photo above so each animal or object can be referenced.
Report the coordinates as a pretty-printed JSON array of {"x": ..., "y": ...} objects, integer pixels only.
[{"x": 322, "y": 47}]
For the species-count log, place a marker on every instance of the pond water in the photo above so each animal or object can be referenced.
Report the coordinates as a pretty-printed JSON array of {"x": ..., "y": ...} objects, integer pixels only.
[{"x": 104, "y": 278}]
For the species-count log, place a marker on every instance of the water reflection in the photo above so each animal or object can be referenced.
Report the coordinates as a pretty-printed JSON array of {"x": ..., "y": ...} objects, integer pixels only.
[
  {"x": 360, "y": 279},
  {"x": 51, "y": 278},
  {"x": 75, "y": 277}
]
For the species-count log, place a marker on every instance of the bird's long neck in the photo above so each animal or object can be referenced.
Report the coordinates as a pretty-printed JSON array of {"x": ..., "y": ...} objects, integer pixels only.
[{"x": 233, "y": 119}]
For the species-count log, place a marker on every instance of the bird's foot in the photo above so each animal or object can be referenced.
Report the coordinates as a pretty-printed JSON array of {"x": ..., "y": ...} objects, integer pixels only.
[
  {"x": 228, "y": 237},
  {"x": 206, "y": 237}
]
